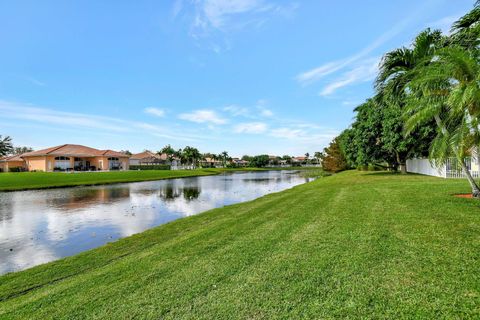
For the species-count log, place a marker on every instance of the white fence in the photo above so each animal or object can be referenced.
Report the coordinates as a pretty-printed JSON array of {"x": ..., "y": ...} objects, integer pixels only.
[
  {"x": 450, "y": 170},
  {"x": 423, "y": 166}
]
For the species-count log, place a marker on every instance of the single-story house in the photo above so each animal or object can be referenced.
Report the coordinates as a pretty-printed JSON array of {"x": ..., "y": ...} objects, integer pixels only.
[
  {"x": 211, "y": 162},
  {"x": 146, "y": 158},
  {"x": 10, "y": 163},
  {"x": 73, "y": 157},
  {"x": 240, "y": 162},
  {"x": 299, "y": 160},
  {"x": 149, "y": 158}
]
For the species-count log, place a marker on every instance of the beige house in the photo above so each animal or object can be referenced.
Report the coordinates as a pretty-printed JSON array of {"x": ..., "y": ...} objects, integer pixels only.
[
  {"x": 10, "y": 163},
  {"x": 72, "y": 157},
  {"x": 147, "y": 158}
]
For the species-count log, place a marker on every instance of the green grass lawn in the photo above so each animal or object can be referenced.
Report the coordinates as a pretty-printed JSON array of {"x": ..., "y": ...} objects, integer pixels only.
[
  {"x": 353, "y": 245},
  {"x": 42, "y": 180}
]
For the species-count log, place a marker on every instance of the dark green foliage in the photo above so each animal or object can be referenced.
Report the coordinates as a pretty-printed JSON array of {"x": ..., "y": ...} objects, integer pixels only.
[
  {"x": 6, "y": 146},
  {"x": 259, "y": 161},
  {"x": 150, "y": 167}
]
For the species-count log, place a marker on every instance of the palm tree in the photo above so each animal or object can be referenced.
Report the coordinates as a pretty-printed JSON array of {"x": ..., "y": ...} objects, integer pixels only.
[
  {"x": 448, "y": 91},
  {"x": 318, "y": 156},
  {"x": 169, "y": 151},
  {"x": 224, "y": 156},
  {"x": 397, "y": 69},
  {"x": 6, "y": 146}
]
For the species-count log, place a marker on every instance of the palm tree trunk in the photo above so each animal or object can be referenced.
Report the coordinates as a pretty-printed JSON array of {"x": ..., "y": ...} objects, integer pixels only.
[{"x": 471, "y": 180}]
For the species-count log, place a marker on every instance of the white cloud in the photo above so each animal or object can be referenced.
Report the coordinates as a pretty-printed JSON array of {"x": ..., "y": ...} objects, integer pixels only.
[
  {"x": 365, "y": 71},
  {"x": 26, "y": 113},
  {"x": 286, "y": 133},
  {"x": 320, "y": 72},
  {"x": 266, "y": 112},
  {"x": 236, "y": 110},
  {"x": 306, "y": 136},
  {"x": 251, "y": 127},
  {"x": 213, "y": 20},
  {"x": 155, "y": 111},
  {"x": 444, "y": 23},
  {"x": 177, "y": 7},
  {"x": 203, "y": 116},
  {"x": 35, "y": 81}
]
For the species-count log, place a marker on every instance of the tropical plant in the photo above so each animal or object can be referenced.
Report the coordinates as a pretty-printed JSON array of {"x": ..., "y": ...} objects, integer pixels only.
[
  {"x": 224, "y": 156},
  {"x": 317, "y": 155},
  {"x": 447, "y": 90},
  {"x": 6, "y": 146},
  {"x": 168, "y": 151}
]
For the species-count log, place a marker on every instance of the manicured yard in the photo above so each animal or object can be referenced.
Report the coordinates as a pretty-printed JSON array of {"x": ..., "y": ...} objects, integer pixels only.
[{"x": 353, "y": 245}]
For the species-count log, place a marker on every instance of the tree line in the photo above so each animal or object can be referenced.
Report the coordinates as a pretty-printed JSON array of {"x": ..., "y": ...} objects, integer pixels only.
[{"x": 426, "y": 103}]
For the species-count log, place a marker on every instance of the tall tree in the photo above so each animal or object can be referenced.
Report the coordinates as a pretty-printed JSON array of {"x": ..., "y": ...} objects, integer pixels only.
[
  {"x": 168, "y": 151},
  {"x": 333, "y": 159},
  {"x": 224, "y": 157},
  {"x": 21, "y": 150},
  {"x": 447, "y": 90},
  {"x": 6, "y": 146}
]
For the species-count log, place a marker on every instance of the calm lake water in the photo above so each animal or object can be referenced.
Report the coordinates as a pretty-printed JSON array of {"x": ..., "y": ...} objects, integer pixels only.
[{"x": 45, "y": 225}]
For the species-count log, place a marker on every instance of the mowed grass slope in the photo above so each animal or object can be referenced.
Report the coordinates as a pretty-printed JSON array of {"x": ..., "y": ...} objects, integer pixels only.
[
  {"x": 40, "y": 180},
  {"x": 354, "y": 245}
]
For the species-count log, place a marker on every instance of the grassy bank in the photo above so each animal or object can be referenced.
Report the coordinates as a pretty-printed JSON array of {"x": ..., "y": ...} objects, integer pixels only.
[
  {"x": 43, "y": 180},
  {"x": 353, "y": 245}
]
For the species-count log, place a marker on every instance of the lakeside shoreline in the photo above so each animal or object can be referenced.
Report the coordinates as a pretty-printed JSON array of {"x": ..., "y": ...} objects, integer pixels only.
[{"x": 9, "y": 182}]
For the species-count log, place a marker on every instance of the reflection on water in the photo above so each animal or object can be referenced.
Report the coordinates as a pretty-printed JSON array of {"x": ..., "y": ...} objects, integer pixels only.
[{"x": 44, "y": 225}]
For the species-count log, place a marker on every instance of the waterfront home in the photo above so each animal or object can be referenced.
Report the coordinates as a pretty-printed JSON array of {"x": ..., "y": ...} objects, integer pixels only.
[
  {"x": 73, "y": 157},
  {"x": 146, "y": 158},
  {"x": 299, "y": 160},
  {"x": 12, "y": 163},
  {"x": 209, "y": 162},
  {"x": 239, "y": 162}
]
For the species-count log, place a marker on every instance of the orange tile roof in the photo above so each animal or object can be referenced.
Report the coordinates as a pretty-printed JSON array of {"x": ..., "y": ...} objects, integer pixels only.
[
  {"x": 145, "y": 154},
  {"x": 73, "y": 150},
  {"x": 15, "y": 157}
]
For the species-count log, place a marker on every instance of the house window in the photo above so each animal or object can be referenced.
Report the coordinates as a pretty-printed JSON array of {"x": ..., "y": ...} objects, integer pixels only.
[
  {"x": 62, "y": 163},
  {"x": 113, "y": 163}
]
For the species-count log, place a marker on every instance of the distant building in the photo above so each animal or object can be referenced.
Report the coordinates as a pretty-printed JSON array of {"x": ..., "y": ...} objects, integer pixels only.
[{"x": 239, "y": 162}]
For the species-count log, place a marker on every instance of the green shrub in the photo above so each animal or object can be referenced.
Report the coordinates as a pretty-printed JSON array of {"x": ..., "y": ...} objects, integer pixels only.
[
  {"x": 15, "y": 169},
  {"x": 150, "y": 167}
]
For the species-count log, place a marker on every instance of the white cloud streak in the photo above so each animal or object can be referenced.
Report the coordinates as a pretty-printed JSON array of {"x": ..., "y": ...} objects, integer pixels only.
[
  {"x": 203, "y": 116},
  {"x": 155, "y": 111},
  {"x": 68, "y": 120},
  {"x": 315, "y": 74},
  {"x": 365, "y": 71},
  {"x": 251, "y": 128}
]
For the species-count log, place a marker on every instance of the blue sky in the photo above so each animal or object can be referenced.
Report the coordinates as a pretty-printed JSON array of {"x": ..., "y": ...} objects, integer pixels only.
[{"x": 246, "y": 76}]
